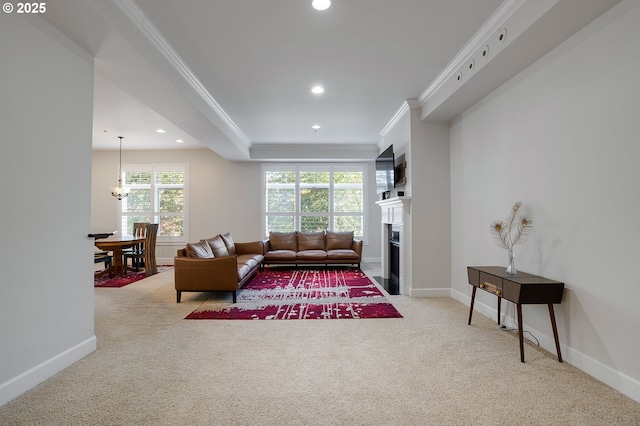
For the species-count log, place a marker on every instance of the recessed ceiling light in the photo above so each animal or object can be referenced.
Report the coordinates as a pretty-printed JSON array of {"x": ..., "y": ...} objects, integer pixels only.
[
  {"x": 321, "y": 4},
  {"x": 160, "y": 131},
  {"x": 315, "y": 127},
  {"x": 179, "y": 140},
  {"x": 317, "y": 90}
]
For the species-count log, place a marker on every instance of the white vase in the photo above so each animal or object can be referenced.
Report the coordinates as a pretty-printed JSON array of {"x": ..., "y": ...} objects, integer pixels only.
[{"x": 511, "y": 267}]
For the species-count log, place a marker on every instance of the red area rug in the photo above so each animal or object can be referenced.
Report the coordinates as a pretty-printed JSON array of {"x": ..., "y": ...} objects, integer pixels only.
[
  {"x": 301, "y": 294},
  {"x": 118, "y": 281}
]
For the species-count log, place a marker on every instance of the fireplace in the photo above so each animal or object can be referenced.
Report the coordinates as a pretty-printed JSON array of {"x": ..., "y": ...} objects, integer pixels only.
[
  {"x": 394, "y": 260},
  {"x": 396, "y": 256}
]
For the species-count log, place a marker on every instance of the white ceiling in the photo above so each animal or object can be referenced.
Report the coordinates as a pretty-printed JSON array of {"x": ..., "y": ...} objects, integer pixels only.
[{"x": 236, "y": 75}]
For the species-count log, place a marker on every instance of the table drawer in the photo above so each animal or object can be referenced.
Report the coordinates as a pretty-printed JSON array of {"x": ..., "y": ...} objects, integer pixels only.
[{"x": 490, "y": 283}]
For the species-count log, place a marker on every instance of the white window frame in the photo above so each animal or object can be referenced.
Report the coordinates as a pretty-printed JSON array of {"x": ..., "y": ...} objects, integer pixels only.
[
  {"x": 154, "y": 168},
  {"x": 317, "y": 167}
]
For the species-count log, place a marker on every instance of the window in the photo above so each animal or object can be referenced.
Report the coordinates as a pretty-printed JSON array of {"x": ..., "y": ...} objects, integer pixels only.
[
  {"x": 158, "y": 195},
  {"x": 311, "y": 198}
]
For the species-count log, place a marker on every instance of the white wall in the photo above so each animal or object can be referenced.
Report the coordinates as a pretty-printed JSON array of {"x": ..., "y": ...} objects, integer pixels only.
[
  {"x": 427, "y": 230},
  {"x": 223, "y": 197},
  {"x": 563, "y": 137},
  {"x": 46, "y": 293},
  {"x": 430, "y": 208}
]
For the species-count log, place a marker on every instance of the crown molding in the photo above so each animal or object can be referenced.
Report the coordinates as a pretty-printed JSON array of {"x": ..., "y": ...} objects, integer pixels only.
[
  {"x": 404, "y": 108},
  {"x": 140, "y": 20},
  {"x": 313, "y": 152},
  {"x": 493, "y": 24}
]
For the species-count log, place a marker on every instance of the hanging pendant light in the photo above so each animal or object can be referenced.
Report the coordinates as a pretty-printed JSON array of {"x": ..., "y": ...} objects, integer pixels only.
[{"x": 118, "y": 191}]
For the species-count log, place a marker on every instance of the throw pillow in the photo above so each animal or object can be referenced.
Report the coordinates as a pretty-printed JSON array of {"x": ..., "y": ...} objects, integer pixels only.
[
  {"x": 339, "y": 240},
  {"x": 200, "y": 249},
  {"x": 283, "y": 241},
  {"x": 218, "y": 246},
  {"x": 228, "y": 241}
]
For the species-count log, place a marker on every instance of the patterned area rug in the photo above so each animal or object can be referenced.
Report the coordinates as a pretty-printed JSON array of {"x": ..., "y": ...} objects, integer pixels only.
[
  {"x": 118, "y": 281},
  {"x": 301, "y": 294}
]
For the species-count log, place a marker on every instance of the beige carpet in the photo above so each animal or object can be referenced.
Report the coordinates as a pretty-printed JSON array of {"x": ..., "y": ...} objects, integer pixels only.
[{"x": 154, "y": 368}]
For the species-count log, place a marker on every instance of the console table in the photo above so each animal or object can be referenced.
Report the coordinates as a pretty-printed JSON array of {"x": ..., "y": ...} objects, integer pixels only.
[{"x": 521, "y": 289}]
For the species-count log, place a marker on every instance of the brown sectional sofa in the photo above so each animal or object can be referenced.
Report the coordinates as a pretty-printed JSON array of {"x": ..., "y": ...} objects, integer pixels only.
[
  {"x": 217, "y": 264},
  {"x": 312, "y": 248}
]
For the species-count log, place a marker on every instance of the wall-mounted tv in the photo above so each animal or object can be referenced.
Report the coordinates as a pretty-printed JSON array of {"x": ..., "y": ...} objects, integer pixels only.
[{"x": 385, "y": 165}]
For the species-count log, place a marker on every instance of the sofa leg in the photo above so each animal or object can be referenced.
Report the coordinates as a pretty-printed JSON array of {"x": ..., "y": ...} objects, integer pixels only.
[
  {"x": 235, "y": 296},
  {"x": 178, "y": 294}
]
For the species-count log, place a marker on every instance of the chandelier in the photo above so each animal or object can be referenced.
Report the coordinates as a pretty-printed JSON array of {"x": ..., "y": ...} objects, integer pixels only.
[{"x": 118, "y": 191}]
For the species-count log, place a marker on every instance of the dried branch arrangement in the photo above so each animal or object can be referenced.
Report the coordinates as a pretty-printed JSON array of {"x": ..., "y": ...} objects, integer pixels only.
[{"x": 513, "y": 229}]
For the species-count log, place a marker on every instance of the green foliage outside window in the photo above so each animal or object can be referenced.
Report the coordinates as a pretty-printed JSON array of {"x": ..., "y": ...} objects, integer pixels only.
[
  {"x": 139, "y": 200},
  {"x": 137, "y": 178},
  {"x": 314, "y": 177},
  {"x": 281, "y": 223},
  {"x": 314, "y": 223},
  {"x": 170, "y": 178},
  {"x": 171, "y": 226},
  {"x": 171, "y": 200},
  {"x": 347, "y": 200},
  {"x": 281, "y": 200},
  {"x": 280, "y": 177},
  {"x": 315, "y": 210},
  {"x": 348, "y": 177},
  {"x": 155, "y": 197},
  {"x": 348, "y": 223},
  {"x": 314, "y": 200}
]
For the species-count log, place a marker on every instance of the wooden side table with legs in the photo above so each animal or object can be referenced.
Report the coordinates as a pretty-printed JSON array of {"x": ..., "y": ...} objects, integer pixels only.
[{"x": 521, "y": 289}]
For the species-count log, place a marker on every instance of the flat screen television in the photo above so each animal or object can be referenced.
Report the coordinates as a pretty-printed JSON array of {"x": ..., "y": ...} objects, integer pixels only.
[{"x": 385, "y": 165}]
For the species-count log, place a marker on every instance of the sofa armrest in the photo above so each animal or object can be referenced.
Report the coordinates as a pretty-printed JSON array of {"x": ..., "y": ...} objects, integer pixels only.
[
  {"x": 193, "y": 274},
  {"x": 253, "y": 247},
  {"x": 266, "y": 246},
  {"x": 357, "y": 247}
]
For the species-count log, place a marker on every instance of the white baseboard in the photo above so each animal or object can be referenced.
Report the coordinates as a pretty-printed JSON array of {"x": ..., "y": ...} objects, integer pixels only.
[
  {"x": 38, "y": 374},
  {"x": 609, "y": 376},
  {"x": 429, "y": 292}
]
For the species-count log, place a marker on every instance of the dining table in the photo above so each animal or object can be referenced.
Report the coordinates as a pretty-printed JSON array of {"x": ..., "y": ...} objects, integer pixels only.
[{"x": 117, "y": 244}]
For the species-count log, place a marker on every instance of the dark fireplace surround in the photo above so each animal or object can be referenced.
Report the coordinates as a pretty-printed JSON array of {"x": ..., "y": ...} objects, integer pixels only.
[{"x": 392, "y": 284}]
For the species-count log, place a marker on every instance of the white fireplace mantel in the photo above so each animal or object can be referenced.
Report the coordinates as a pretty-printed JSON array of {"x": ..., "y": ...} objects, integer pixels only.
[
  {"x": 397, "y": 211},
  {"x": 394, "y": 209}
]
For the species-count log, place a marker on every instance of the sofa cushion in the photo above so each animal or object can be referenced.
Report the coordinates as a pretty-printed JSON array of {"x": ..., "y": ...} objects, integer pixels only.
[
  {"x": 341, "y": 254},
  {"x": 310, "y": 241},
  {"x": 339, "y": 240},
  {"x": 218, "y": 246},
  {"x": 200, "y": 249},
  {"x": 251, "y": 260},
  {"x": 312, "y": 255},
  {"x": 280, "y": 255},
  {"x": 228, "y": 241},
  {"x": 283, "y": 241},
  {"x": 243, "y": 270}
]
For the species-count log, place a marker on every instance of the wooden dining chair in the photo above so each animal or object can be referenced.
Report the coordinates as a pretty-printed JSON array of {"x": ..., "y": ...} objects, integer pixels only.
[
  {"x": 144, "y": 254},
  {"x": 150, "y": 265},
  {"x": 102, "y": 256},
  {"x": 136, "y": 253}
]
